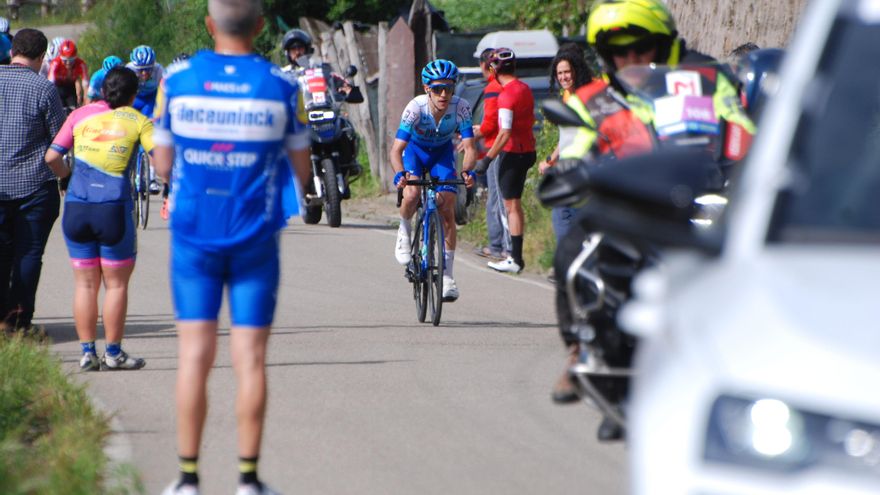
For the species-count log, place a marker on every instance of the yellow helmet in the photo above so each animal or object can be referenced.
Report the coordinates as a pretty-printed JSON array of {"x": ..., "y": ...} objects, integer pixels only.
[{"x": 625, "y": 21}]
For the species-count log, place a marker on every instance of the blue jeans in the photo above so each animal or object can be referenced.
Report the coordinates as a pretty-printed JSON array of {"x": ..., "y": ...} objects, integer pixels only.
[
  {"x": 496, "y": 216},
  {"x": 25, "y": 224},
  {"x": 561, "y": 217}
]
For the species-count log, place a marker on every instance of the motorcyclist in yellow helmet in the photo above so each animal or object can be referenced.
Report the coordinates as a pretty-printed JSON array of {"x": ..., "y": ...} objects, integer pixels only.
[{"x": 624, "y": 33}]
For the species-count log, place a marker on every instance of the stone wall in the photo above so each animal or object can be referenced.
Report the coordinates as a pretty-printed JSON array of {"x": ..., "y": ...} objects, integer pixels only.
[{"x": 716, "y": 27}]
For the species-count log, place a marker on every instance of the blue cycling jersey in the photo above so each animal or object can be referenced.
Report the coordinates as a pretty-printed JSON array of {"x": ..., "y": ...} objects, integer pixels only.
[
  {"x": 95, "y": 84},
  {"x": 230, "y": 119},
  {"x": 419, "y": 127},
  {"x": 149, "y": 87}
]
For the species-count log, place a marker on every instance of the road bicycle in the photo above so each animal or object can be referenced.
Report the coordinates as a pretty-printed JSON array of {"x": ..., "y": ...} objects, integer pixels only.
[
  {"x": 140, "y": 189},
  {"x": 425, "y": 270}
]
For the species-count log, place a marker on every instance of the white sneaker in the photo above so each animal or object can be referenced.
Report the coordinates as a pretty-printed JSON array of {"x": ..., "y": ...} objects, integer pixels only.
[
  {"x": 263, "y": 489},
  {"x": 89, "y": 362},
  {"x": 402, "y": 248},
  {"x": 450, "y": 290},
  {"x": 173, "y": 489},
  {"x": 507, "y": 265}
]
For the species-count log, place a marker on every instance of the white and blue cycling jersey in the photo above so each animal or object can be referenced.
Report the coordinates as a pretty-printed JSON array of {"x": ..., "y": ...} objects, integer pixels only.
[
  {"x": 151, "y": 85},
  {"x": 230, "y": 119},
  {"x": 417, "y": 126},
  {"x": 429, "y": 144}
]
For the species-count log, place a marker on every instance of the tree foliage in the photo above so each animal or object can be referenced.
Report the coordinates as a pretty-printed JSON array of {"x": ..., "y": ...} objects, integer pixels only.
[{"x": 559, "y": 16}]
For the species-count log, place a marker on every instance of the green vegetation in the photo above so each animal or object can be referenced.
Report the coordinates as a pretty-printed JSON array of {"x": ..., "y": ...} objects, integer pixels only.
[
  {"x": 51, "y": 438},
  {"x": 29, "y": 15},
  {"x": 485, "y": 15},
  {"x": 539, "y": 243}
]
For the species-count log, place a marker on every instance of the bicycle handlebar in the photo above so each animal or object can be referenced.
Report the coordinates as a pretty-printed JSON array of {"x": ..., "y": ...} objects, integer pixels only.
[{"x": 429, "y": 182}]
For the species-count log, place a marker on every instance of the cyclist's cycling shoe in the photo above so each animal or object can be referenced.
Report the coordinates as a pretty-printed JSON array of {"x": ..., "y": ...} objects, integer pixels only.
[
  {"x": 121, "y": 362},
  {"x": 450, "y": 290},
  {"x": 507, "y": 265},
  {"x": 401, "y": 249},
  {"x": 155, "y": 187},
  {"x": 176, "y": 488},
  {"x": 255, "y": 489},
  {"x": 89, "y": 362}
]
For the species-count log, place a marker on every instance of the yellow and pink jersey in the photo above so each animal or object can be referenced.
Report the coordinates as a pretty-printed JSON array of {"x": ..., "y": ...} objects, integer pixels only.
[{"x": 103, "y": 140}]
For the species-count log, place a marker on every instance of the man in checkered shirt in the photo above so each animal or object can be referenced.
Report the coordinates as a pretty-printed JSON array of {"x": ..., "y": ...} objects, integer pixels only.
[{"x": 30, "y": 116}]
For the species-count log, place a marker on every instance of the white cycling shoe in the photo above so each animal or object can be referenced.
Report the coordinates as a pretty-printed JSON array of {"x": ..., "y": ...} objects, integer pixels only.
[
  {"x": 402, "y": 248},
  {"x": 261, "y": 489},
  {"x": 507, "y": 265},
  {"x": 450, "y": 290}
]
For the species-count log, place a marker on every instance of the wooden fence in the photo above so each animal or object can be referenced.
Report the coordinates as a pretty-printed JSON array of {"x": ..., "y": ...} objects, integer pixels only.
[{"x": 46, "y": 6}]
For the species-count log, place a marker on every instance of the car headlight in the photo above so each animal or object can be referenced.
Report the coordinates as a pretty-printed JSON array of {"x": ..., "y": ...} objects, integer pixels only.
[{"x": 773, "y": 435}]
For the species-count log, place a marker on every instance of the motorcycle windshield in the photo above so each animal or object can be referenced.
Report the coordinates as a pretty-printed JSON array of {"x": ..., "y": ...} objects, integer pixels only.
[{"x": 681, "y": 98}]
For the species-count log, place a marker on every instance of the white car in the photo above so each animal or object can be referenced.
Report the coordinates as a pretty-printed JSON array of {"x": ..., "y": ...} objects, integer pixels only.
[{"x": 758, "y": 370}]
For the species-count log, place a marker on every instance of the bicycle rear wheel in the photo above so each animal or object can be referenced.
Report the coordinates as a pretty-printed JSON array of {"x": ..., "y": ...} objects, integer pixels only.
[
  {"x": 434, "y": 276},
  {"x": 420, "y": 287},
  {"x": 143, "y": 189}
]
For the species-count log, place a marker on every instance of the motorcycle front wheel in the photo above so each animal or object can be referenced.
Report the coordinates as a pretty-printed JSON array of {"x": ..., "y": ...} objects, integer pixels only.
[{"x": 332, "y": 196}]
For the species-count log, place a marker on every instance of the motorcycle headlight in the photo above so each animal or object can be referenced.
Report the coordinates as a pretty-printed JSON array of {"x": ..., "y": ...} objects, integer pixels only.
[
  {"x": 773, "y": 435},
  {"x": 321, "y": 115}
]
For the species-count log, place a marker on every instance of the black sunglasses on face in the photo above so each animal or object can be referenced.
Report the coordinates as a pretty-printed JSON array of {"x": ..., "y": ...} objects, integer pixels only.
[
  {"x": 641, "y": 47},
  {"x": 438, "y": 89}
]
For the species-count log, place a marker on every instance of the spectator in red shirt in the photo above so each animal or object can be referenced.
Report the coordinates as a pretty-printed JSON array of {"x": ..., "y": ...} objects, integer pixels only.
[
  {"x": 515, "y": 149},
  {"x": 496, "y": 218},
  {"x": 70, "y": 75}
]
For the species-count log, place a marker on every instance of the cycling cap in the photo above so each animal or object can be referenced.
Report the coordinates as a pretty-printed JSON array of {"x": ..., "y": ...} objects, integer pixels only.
[
  {"x": 4, "y": 25},
  {"x": 180, "y": 57},
  {"x": 143, "y": 56},
  {"x": 756, "y": 71},
  {"x": 111, "y": 62},
  {"x": 296, "y": 37},
  {"x": 439, "y": 69},
  {"x": 67, "y": 50},
  {"x": 502, "y": 58}
]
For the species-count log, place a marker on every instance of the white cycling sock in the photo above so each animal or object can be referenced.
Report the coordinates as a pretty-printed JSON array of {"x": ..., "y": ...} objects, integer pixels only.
[
  {"x": 447, "y": 263},
  {"x": 405, "y": 227}
]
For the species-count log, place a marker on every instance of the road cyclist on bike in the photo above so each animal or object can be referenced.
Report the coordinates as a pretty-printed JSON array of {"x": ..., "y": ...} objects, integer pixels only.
[
  {"x": 150, "y": 73},
  {"x": 70, "y": 75},
  {"x": 97, "y": 80},
  {"x": 423, "y": 145},
  {"x": 51, "y": 54}
]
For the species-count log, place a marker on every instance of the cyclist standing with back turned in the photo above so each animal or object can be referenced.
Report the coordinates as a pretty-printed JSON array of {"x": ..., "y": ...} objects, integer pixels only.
[{"x": 424, "y": 144}]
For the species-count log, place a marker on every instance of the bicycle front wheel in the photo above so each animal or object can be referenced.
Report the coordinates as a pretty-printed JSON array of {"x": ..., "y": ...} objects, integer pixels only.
[
  {"x": 144, "y": 189},
  {"x": 434, "y": 275},
  {"x": 420, "y": 286}
]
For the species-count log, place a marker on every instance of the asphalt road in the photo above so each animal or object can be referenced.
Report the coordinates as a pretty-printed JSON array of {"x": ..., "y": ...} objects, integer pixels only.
[{"x": 363, "y": 398}]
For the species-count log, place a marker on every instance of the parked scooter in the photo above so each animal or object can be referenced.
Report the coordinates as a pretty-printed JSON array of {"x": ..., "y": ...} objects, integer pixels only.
[{"x": 334, "y": 142}]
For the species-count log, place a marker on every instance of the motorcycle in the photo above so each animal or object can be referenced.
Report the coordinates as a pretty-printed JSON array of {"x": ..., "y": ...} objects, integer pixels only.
[
  {"x": 334, "y": 144},
  {"x": 595, "y": 270}
]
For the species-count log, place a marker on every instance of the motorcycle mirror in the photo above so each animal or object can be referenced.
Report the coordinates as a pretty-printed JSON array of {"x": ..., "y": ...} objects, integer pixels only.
[
  {"x": 351, "y": 72},
  {"x": 563, "y": 115}
]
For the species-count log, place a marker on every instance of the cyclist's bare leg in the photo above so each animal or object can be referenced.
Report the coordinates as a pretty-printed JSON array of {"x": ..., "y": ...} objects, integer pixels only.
[
  {"x": 410, "y": 201},
  {"x": 197, "y": 347},
  {"x": 446, "y": 205},
  {"x": 515, "y": 216},
  {"x": 115, "y": 300},
  {"x": 248, "y": 347},
  {"x": 87, "y": 283}
]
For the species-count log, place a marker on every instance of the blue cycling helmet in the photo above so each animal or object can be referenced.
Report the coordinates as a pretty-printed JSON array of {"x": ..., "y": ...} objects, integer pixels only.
[
  {"x": 439, "y": 69},
  {"x": 143, "y": 56},
  {"x": 756, "y": 71},
  {"x": 111, "y": 62}
]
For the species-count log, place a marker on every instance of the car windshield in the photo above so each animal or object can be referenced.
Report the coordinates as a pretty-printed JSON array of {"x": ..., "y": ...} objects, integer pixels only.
[{"x": 834, "y": 194}]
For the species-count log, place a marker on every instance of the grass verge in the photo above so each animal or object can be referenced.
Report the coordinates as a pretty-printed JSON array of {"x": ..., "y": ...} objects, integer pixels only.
[{"x": 51, "y": 438}]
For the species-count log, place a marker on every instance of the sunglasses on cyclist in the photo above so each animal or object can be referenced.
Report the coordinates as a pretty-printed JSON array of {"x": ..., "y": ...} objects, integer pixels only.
[
  {"x": 439, "y": 89},
  {"x": 640, "y": 47},
  {"x": 68, "y": 60}
]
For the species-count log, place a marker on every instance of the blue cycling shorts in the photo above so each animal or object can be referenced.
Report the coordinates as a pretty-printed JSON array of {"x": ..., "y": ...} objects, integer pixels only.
[
  {"x": 251, "y": 273},
  {"x": 99, "y": 233},
  {"x": 439, "y": 161}
]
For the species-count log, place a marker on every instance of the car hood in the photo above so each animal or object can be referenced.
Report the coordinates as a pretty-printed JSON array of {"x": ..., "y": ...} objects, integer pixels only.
[{"x": 800, "y": 322}]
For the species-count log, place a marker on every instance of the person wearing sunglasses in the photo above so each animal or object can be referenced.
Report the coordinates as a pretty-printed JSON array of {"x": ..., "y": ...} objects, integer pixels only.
[
  {"x": 70, "y": 75},
  {"x": 424, "y": 144},
  {"x": 150, "y": 74}
]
